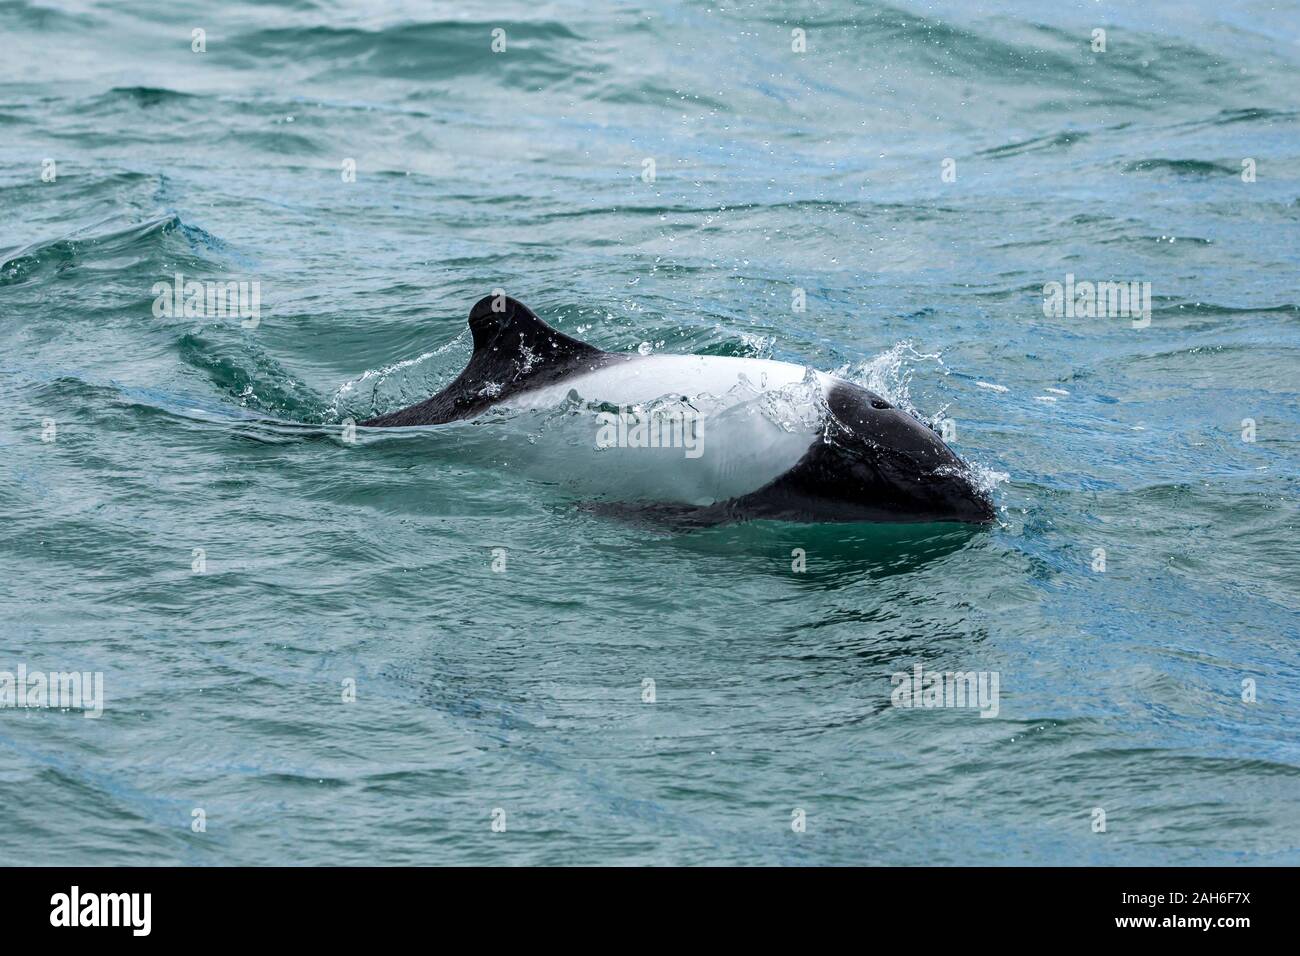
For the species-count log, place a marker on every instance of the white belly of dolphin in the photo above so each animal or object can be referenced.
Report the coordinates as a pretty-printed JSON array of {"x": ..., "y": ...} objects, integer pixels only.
[
  {"x": 646, "y": 378},
  {"x": 714, "y": 427}
]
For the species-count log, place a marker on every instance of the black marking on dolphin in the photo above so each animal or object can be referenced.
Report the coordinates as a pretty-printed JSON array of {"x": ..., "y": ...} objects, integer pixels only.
[
  {"x": 868, "y": 466},
  {"x": 865, "y": 466},
  {"x": 514, "y": 350},
  {"x": 869, "y": 462}
]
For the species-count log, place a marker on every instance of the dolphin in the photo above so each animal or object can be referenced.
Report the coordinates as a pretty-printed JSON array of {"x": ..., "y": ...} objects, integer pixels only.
[{"x": 763, "y": 439}]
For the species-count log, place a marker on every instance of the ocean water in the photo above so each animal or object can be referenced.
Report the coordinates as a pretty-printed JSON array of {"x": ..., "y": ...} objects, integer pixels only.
[{"x": 183, "y": 515}]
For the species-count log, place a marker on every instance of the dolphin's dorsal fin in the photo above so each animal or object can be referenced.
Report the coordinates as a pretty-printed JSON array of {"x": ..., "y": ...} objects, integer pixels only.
[
  {"x": 514, "y": 350},
  {"x": 508, "y": 327}
]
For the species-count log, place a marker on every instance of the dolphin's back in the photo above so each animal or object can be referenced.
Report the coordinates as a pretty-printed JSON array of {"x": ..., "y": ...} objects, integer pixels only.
[{"x": 514, "y": 351}]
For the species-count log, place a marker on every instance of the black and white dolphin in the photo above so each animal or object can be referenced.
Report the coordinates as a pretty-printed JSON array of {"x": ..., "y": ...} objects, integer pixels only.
[{"x": 856, "y": 458}]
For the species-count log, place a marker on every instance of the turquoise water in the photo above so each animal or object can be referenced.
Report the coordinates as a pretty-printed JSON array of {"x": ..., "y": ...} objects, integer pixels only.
[{"x": 521, "y": 690}]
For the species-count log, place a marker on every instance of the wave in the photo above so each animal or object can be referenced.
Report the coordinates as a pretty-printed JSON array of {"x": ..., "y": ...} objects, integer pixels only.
[
  {"x": 143, "y": 96},
  {"x": 19, "y": 15},
  {"x": 1181, "y": 167},
  {"x": 1056, "y": 141},
  {"x": 105, "y": 237},
  {"x": 1250, "y": 114},
  {"x": 539, "y": 52},
  {"x": 251, "y": 378},
  {"x": 1152, "y": 71},
  {"x": 110, "y": 240}
]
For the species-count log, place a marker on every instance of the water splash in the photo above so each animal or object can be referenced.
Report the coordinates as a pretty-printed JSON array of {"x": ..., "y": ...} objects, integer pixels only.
[
  {"x": 891, "y": 372},
  {"x": 348, "y": 395}
]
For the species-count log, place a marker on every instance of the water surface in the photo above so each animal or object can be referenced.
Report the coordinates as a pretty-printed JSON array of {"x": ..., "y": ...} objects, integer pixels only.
[{"x": 522, "y": 690}]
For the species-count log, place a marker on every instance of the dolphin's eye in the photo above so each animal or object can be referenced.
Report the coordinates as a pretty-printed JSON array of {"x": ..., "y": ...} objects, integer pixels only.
[{"x": 880, "y": 403}]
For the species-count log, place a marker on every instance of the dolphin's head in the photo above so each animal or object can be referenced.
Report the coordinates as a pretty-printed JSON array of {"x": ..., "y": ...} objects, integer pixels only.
[
  {"x": 890, "y": 459},
  {"x": 874, "y": 462}
]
